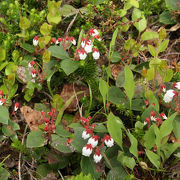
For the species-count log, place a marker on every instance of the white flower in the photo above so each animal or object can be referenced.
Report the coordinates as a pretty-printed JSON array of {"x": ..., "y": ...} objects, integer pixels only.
[
  {"x": 88, "y": 46},
  {"x": 82, "y": 54},
  {"x": 59, "y": 40},
  {"x": 98, "y": 37},
  {"x": 176, "y": 85},
  {"x": 93, "y": 32},
  {"x": 93, "y": 141},
  {"x": 83, "y": 42},
  {"x": 16, "y": 106},
  {"x": 168, "y": 97},
  {"x": 147, "y": 120},
  {"x": 163, "y": 87},
  {"x": 87, "y": 150},
  {"x": 31, "y": 64},
  {"x": 97, "y": 156},
  {"x": 73, "y": 40},
  {"x": 163, "y": 116},
  {"x": 86, "y": 133},
  {"x": 33, "y": 73},
  {"x": 35, "y": 41},
  {"x": 96, "y": 53},
  {"x": 109, "y": 141}
]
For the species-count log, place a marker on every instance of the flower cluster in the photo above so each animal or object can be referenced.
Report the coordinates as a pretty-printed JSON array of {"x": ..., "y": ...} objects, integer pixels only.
[
  {"x": 59, "y": 41},
  {"x": 2, "y": 99},
  {"x": 49, "y": 121},
  {"x": 87, "y": 45},
  {"x": 93, "y": 140},
  {"x": 153, "y": 118}
]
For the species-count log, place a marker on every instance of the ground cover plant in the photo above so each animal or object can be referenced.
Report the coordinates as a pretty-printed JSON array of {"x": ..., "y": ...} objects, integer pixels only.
[{"x": 89, "y": 89}]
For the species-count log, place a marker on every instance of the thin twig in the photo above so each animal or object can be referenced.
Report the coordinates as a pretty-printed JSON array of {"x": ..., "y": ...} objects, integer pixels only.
[
  {"x": 71, "y": 23},
  {"x": 60, "y": 174},
  {"x": 20, "y": 154}
]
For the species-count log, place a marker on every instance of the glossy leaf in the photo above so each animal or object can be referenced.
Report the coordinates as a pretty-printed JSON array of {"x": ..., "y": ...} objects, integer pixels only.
[
  {"x": 152, "y": 50},
  {"x": 154, "y": 158},
  {"x": 163, "y": 45},
  {"x": 69, "y": 66},
  {"x": 45, "y": 29},
  {"x": 149, "y": 35},
  {"x": 4, "y": 115}
]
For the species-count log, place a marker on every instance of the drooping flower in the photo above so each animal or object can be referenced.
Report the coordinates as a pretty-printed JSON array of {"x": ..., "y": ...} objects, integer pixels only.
[
  {"x": 82, "y": 54},
  {"x": 152, "y": 116},
  {"x": 59, "y": 40},
  {"x": 33, "y": 73},
  {"x": 53, "y": 41},
  {"x": 16, "y": 106},
  {"x": 88, "y": 46},
  {"x": 98, "y": 37},
  {"x": 108, "y": 141},
  {"x": 73, "y": 40},
  {"x": 86, "y": 133},
  {"x": 31, "y": 64},
  {"x": 96, "y": 53},
  {"x": 163, "y": 87},
  {"x": 1, "y": 93},
  {"x": 93, "y": 32},
  {"x": 176, "y": 85},
  {"x": 163, "y": 116},
  {"x": 83, "y": 42},
  {"x": 35, "y": 40},
  {"x": 168, "y": 97},
  {"x": 97, "y": 156},
  {"x": 93, "y": 141},
  {"x": 87, "y": 150},
  {"x": 2, "y": 101},
  {"x": 147, "y": 120}
]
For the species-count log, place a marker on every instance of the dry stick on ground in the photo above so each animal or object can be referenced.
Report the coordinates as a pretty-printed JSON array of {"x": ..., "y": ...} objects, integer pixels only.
[
  {"x": 20, "y": 154},
  {"x": 60, "y": 174},
  {"x": 71, "y": 23}
]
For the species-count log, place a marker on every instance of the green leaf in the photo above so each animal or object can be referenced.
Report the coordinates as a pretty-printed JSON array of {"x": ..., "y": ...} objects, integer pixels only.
[
  {"x": 167, "y": 126},
  {"x": 133, "y": 149},
  {"x": 120, "y": 79},
  {"x": 115, "y": 57},
  {"x": 168, "y": 75},
  {"x": 24, "y": 23},
  {"x": 126, "y": 161},
  {"x": 176, "y": 126},
  {"x": 124, "y": 27},
  {"x": 11, "y": 68},
  {"x": 43, "y": 41},
  {"x": 122, "y": 12},
  {"x": 27, "y": 47},
  {"x": 100, "y": 128},
  {"x": 149, "y": 35},
  {"x": 172, "y": 4},
  {"x": 4, "y": 115},
  {"x": 162, "y": 33},
  {"x": 152, "y": 50},
  {"x": 46, "y": 56},
  {"x": 88, "y": 167},
  {"x": 58, "y": 52},
  {"x": 134, "y": 3},
  {"x": 113, "y": 41},
  {"x": 80, "y": 38},
  {"x": 4, "y": 174},
  {"x": 81, "y": 177},
  {"x": 149, "y": 138},
  {"x": 163, "y": 45},
  {"x": 141, "y": 25},
  {"x": 166, "y": 18},
  {"x": 136, "y": 14},
  {"x": 103, "y": 88},
  {"x": 114, "y": 126},
  {"x": 117, "y": 173},
  {"x": 45, "y": 29},
  {"x": 150, "y": 74},
  {"x": 129, "y": 84},
  {"x": 35, "y": 139},
  {"x": 69, "y": 66},
  {"x": 60, "y": 143},
  {"x": 2, "y": 54},
  {"x": 154, "y": 158},
  {"x": 68, "y": 10},
  {"x": 3, "y": 65},
  {"x": 60, "y": 131}
]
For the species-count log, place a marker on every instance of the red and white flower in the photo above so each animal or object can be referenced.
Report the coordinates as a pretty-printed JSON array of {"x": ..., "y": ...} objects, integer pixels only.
[
  {"x": 1, "y": 93},
  {"x": 53, "y": 41},
  {"x": 86, "y": 133},
  {"x": 147, "y": 120},
  {"x": 35, "y": 40},
  {"x": 87, "y": 150},
  {"x": 88, "y": 46},
  {"x": 163, "y": 87},
  {"x": 168, "y": 97},
  {"x": 73, "y": 40},
  {"x": 2, "y": 101},
  {"x": 93, "y": 32},
  {"x": 83, "y": 42},
  {"x": 33, "y": 73},
  {"x": 31, "y": 64},
  {"x": 93, "y": 141},
  {"x": 98, "y": 37},
  {"x": 152, "y": 116},
  {"x": 176, "y": 85},
  {"x": 59, "y": 40},
  {"x": 108, "y": 141},
  {"x": 96, "y": 53},
  {"x": 82, "y": 54},
  {"x": 97, "y": 156},
  {"x": 163, "y": 116},
  {"x": 16, "y": 106}
]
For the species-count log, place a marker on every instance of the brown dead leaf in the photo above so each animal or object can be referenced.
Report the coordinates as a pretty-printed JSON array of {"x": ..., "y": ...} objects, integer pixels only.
[
  {"x": 68, "y": 91},
  {"x": 115, "y": 70},
  {"x": 33, "y": 118},
  {"x": 50, "y": 176}
]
